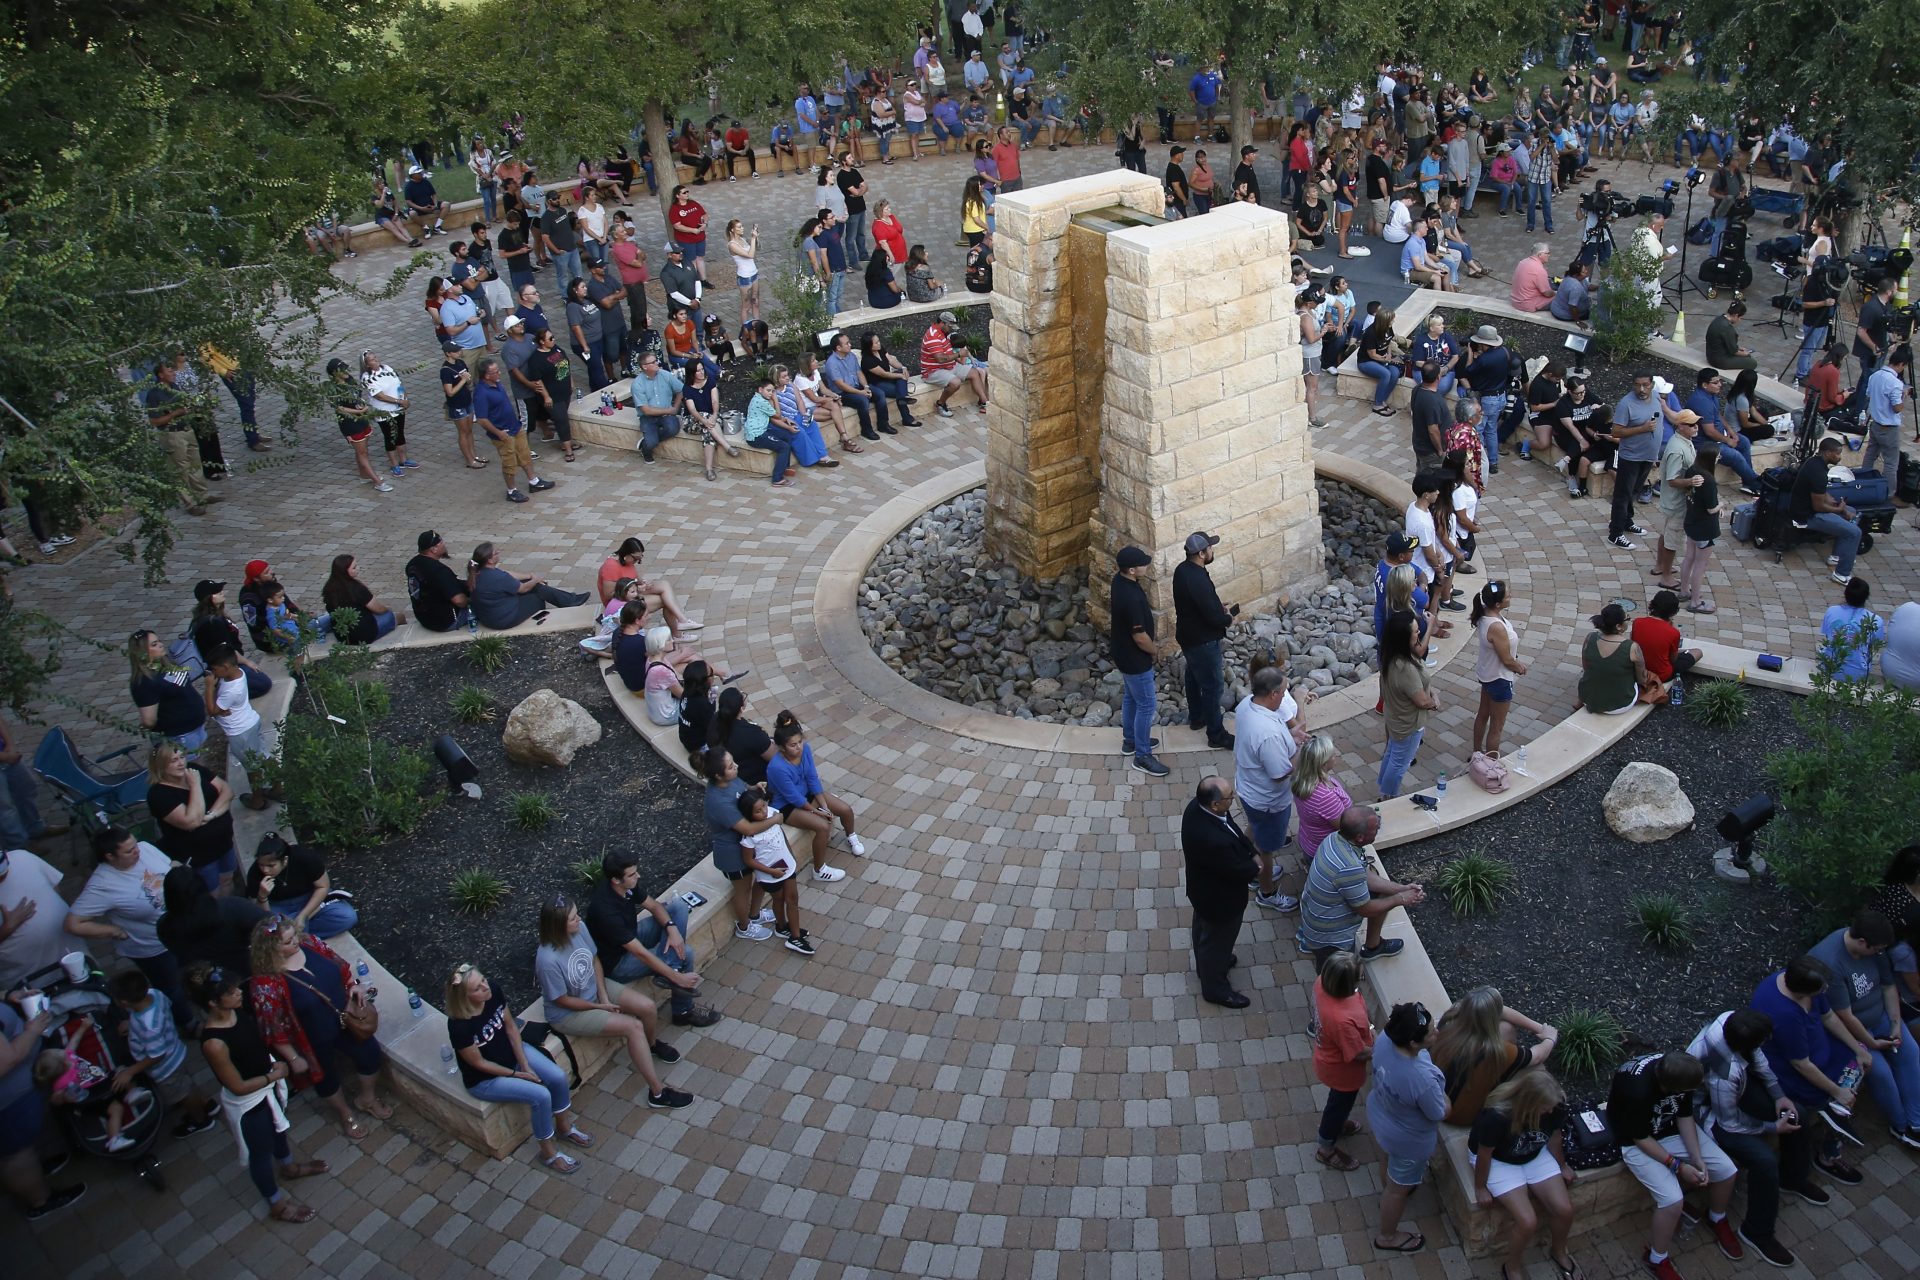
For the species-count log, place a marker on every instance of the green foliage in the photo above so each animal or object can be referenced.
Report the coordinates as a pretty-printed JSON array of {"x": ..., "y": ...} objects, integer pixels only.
[
  {"x": 1719, "y": 704},
  {"x": 800, "y": 310},
  {"x": 1847, "y": 797},
  {"x": 587, "y": 870},
  {"x": 1664, "y": 920},
  {"x": 1630, "y": 308},
  {"x": 471, "y": 705},
  {"x": 489, "y": 653},
  {"x": 899, "y": 338},
  {"x": 476, "y": 892},
  {"x": 1474, "y": 882},
  {"x": 346, "y": 788},
  {"x": 533, "y": 811},
  {"x": 1590, "y": 1043}
]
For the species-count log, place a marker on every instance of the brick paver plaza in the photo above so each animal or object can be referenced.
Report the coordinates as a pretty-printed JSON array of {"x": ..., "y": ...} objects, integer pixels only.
[{"x": 997, "y": 1065}]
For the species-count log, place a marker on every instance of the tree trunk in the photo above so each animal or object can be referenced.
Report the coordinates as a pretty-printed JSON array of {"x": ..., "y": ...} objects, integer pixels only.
[
  {"x": 1240, "y": 92},
  {"x": 660, "y": 146}
]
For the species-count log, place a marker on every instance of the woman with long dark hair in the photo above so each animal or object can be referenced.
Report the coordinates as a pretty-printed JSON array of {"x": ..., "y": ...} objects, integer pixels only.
[
  {"x": 1405, "y": 689},
  {"x": 625, "y": 563},
  {"x": 1496, "y": 665},
  {"x": 751, "y": 748},
  {"x": 1613, "y": 672},
  {"x": 344, "y": 590},
  {"x": 727, "y": 828},
  {"x": 503, "y": 599}
]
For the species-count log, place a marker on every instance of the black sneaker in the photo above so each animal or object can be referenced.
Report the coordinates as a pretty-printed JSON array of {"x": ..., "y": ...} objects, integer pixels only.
[
  {"x": 800, "y": 943},
  {"x": 886, "y": 430},
  {"x": 1150, "y": 766},
  {"x": 664, "y": 1052},
  {"x": 541, "y": 486},
  {"x": 646, "y": 451},
  {"x": 785, "y": 931},
  {"x": 943, "y": 411},
  {"x": 1839, "y": 1170},
  {"x": 1842, "y": 1125},
  {"x": 698, "y": 1016},
  {"x": 1909, "y": 1138},
  {"x": 1126, "y": 748},
  {"x": 1769, "y": 1248},
  {"x": 1225, "y": 743},
  {"x": 514, "y": 495},
  {"x": 190, "y": 1126},
  {"x": 1387, "y": 947},
  {"x": 670, "y": 1099},
  {"x": 1621, "y": 541},
  {"x": 1811, "y": 1192},
  {"x": 57, "y": 1201}
]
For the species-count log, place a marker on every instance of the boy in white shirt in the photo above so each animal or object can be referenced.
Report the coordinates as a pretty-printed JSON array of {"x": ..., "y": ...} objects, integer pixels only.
[
  {"x": 771, "y": 860},
  {"x": 229, "y": 706}
]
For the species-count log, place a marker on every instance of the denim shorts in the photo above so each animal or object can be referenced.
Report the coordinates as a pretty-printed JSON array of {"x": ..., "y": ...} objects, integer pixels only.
[
  {"x": 744, "y": 281},
  {"x": 1405, "y": 1173},
  {"x": 227, "y": 864},
  {"x": 694, "y": 248},
  {"x": 1500, "y": 690},
  {"x": 915, "y": 127},
  {"x": 21, "y": 1123},
  {"x": 1268, "y": 827}
]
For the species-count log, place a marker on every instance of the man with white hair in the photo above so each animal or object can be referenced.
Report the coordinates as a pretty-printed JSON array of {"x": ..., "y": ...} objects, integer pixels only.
[{"x": 1532, "y": 287}]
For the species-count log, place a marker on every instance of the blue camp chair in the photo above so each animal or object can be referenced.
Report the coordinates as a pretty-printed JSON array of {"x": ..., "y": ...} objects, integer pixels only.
[{"x": 83, "y": 783}]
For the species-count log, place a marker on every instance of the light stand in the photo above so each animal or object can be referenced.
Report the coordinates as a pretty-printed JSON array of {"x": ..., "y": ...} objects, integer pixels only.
[
  {"x": 461, "y": 770},
  {"x": 1678, "y": 281},
  {"x": 1740, "y": 825}
]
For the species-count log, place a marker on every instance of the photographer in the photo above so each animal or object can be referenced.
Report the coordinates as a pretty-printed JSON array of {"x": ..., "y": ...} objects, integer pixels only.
[
  {"x": 1817, "y": 303},
  {"x": 1871, "y": 335},
  {"x": 1601, "y": 207}
]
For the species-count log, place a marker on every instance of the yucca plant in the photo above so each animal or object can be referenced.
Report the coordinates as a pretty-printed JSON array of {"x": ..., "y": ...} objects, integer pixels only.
[
  {"x": 476, "y": 891},
  {"x": 1719, "y": 704},
  {"x": 532, "y": 810},
  {"x": 1474, "y": 882},
  {"x": 587, "y": 870},
  {"x": 471, "y": 705},
  {"x": 488, "y": 653},
  {"x": 1590, "y": 1042},
  {"x": 1665, "y": 921}
]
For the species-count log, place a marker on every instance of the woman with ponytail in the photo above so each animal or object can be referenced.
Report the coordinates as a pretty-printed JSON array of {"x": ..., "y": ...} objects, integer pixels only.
[
  {"x": 1497, "y": 664},
  {"x": 727, "y": 828}
]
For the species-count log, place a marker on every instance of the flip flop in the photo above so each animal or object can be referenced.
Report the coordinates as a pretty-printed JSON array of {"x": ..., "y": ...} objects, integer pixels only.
[
  {"x": 378, "y": 1110},
  {"x": 1415, "y": 1245},
  {"x": 1336, "y": 1159},
  {"x": 1569, "y": 1272}
]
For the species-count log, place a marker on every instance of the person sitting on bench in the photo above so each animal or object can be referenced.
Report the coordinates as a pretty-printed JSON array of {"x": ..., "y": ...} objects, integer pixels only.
[{"x": 1812, "y": 508}]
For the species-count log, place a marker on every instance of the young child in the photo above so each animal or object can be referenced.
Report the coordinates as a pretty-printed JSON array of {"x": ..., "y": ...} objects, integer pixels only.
[
  {"x": 719, "y": 343},
  {"x": 283, "y": 626},
  {"x": 1341, "y": 1052},
  {"x": 74, "y": 1082},
  {"x": 159, "y": 1052},
  {"x": 229, "y": 706},
  {"x": 771, "y": 860}
]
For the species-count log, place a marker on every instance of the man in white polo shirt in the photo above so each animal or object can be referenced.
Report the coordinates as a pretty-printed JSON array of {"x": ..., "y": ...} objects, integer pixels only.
[{"x": 1263, "y": 750}]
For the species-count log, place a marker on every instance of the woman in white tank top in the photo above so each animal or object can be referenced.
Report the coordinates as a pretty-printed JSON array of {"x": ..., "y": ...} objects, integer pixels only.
[{"x": 1497, "y": 663}]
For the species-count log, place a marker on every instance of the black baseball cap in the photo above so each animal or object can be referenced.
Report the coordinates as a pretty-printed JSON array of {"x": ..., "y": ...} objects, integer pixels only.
[
  {"x": 207, "y": 588},
  {"x": 1133, "y": 558},
  {"x": 430, "y": 538}
]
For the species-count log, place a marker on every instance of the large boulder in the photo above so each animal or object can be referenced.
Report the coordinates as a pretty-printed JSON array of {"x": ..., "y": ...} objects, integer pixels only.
[
  {"x": 1645, "y": 803},
  {"x": 548, "y": 729}
]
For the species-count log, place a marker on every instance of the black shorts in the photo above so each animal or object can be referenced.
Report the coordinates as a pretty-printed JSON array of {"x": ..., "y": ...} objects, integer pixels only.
[{"x": 742, "y": 874}]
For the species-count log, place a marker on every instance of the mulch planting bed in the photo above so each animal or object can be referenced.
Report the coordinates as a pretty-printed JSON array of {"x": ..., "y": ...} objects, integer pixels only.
[
  {"x": 1565, "y": 936},
  {"x": 617, "y": 795},
  {"x": 1607, "y": 381},
  {"x": 902, "y": 339}
]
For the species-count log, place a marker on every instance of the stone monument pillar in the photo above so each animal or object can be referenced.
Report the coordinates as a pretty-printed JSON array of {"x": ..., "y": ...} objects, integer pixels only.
[{"x": 1146, "y": 384}]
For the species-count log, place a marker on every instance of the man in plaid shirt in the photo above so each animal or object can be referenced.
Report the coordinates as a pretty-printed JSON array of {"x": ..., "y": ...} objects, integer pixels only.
[{"x": 1540, "y": 183}]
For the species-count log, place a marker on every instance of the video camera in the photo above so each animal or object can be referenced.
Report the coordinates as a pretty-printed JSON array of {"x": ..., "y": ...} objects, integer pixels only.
[{"x": 1607, "y": 204}]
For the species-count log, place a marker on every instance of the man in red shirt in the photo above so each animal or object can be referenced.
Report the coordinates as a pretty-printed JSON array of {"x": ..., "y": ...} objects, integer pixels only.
[
  {"x": 688, "y": 219},
  {"x": 737, "y": 145},
  {"x": 941, "y": 367},
  {"x": 1006, "y": 158}
]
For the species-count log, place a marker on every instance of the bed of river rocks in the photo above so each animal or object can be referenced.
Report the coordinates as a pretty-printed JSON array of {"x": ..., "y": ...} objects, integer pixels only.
[{"x": 983, "y": 635}]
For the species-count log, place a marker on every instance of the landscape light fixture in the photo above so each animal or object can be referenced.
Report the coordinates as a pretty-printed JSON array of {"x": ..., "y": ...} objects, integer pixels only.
[
  {"x": 1738, "y": 827},
  {"x": 461, "y": 771}
]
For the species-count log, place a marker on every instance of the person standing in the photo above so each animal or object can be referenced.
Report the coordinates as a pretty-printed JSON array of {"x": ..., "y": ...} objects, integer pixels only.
[
  {"x": 1220, "y": 859},
  {"x": 1676, "y": 480},
  {"x": 1636, "y": 419},
  {"x": 1133, "y": 651},
  {"x": 1263, "y": 758},
  {"x": 1409, "y": 1099},
  {"x": 853, "y": 187},
  {"x": 1497, "y": 663},
  {"x": 497, "y": 415},
  {"x": 1886, "y": 395},
  {"x": 1200, "y": 625}
]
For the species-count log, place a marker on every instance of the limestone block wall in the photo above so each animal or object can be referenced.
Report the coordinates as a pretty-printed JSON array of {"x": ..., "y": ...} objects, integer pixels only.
[
  {"x": 1204, "y": 425},
  {"x": 1042, "y": 458}
]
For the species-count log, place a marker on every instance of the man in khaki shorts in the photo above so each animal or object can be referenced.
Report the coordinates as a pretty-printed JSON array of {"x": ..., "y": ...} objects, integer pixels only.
[{"x": 1675, "y": 460}]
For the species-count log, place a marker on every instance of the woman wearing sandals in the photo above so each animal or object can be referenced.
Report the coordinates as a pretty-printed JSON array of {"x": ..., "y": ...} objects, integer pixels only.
[
  {"x": 253, "y": 1089},
  {"x": 1516, "y": 1145},
  {"x": 701, "y": 406},
  {"x": 1341, "y": 1051},
  {"x": 1409, "y": 1097},
  {"x": 301, "y": 991},
  {"x": 811, "y": 388},
  {"x": 496, "y": 1065}
]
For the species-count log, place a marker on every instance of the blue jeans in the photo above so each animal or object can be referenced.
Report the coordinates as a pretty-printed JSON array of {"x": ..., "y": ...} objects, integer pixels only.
[
  {"x": 333, "y": 918},
  {"x": 1394, "y": 764},
  {"x": 1491, "y": 407},
  {"x": 1384, "y": 377},
  {"x": 384, "y": 622},
  {"x": 1446, "y": 385},
  {"x": 779, "y": 442},
  {"x": 1894, "y": 1080},
  {"x": 655, "y": 427},
  {"x": 489, "y": 200},
  {"x": 855, "y": 237},
  {"x": 650, "y": 934},
  {"x": 1136, "y": 713},
  {"x": 895, "y": 389},
  {"x": 566, "y": 266},
  {"x": 1510, "y": 197},
  {"x": 543, "y": 1099},
  {"x": 241, "y": 387},
  {"x": 865, "y": 407},
  {"x": 1540, "y": 196},
  {"x": 20, "y": 818},
  {"x": 836, "y": 282},
  {"x": 1811, "y": 340},
  {"x": 1845, "y": 534},
  {"x": 1206, "y": 679},
  {"x": 1738, "y": 457}
]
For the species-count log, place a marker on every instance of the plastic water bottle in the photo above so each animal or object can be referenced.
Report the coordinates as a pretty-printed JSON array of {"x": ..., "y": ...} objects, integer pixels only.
[
  {"x": 446, "y": 1056},
  {"x": 361, "y": 971},
  {"x": 1520, "y": 762},
  {"x": 1677, "y": 692},
  {"x": 413, "y": 1003},
  {"x": 1439, "y": 792}
]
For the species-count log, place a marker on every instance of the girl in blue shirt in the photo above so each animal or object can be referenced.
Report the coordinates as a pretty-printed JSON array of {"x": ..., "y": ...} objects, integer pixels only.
[{"x": 797, "y": 789}]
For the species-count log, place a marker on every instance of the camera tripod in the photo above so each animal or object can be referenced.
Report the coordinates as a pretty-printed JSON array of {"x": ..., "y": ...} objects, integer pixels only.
[{"x": 1679, "y": 282}]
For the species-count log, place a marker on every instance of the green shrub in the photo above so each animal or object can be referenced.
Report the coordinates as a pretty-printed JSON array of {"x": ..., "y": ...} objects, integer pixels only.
[
  {"x": 476, "y": 892},
  {"x": 1664, "y": 920},
  {"x": 587, "y": 871},
  {"x": 1474, "y": 882},
  {"x": 1627, "y": 313},
  {"x": 1847, "y": 797},
  {"x": 533, "y": 811},
  {"x": 471, "y": 705},
  {"x": 488, "y": 653},
  {"x": 1590, "y": 1043},
  {"x": 1719, "y": 704},
  {"x": 800, "y": 310},
  {"x": 899, "y": 338}
]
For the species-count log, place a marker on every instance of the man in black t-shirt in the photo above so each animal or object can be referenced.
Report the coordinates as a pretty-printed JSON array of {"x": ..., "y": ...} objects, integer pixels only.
[
  {"x": 1430, "y": 418},
  {"x": 1813, "y": 508},
  {"x": 1243, "y": 174},
  {"x": 1131, "y": 644},
  {"x": 1650, "y": 1107},
  {"x": 1176, "y": 183},
  {"x": 1870, "y": 337},
  {"x": 292, "y": 881},
  {"x": 1379, "y": 188},
  {"x": 439, "y": 594},
  {"x": 1816, "y": 314},
  {"x": 637, "y": 936},
  {"x": 1200, "y": 626}
]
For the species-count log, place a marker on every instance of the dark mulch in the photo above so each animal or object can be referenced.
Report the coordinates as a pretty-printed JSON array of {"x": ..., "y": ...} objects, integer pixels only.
[
  {"x": 1566, "y": 938},
  {"x": 1607, "y": 381},
  {"x": 617, "y": 795},
  {"x": 902, "y": 339}
]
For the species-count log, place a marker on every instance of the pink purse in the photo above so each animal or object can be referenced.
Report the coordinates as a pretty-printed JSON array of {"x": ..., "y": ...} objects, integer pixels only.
[{"x": 1488, "y": 772}]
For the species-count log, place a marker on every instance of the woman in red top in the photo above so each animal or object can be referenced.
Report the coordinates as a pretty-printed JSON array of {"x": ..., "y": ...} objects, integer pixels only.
[
  {"x": 1341, "y": 1052},
  {"x": 1299, "y": 160},
  {"x": 1659, "y": 639},
  {"x": 436, "y": 286},
  {"x": 630, "y": 260},
  {"x": 888, "y": 230}
]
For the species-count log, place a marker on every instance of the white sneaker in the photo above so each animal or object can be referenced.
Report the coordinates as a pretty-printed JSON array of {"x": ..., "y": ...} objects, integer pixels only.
[
  {"x": 1278, "y": 902},
  {"x": 382, "y": 487},
  {"x": 765, "y": 916},
  {"x": 1562, "y": 463},
  {"x": 1359, "y": 251},
  {"x": 829, "y": 874},
  {"x": 754, "y": 932},
  {"x": 119, "y": 1142},
  {"x": 858, "y": 846}
]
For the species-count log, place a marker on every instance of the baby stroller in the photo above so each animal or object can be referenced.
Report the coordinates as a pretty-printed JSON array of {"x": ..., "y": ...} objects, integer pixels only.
[{"x": 89, "y": 1036}]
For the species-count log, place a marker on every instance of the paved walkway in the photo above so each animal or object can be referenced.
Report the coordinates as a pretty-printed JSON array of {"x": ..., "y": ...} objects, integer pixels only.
[{"x": 997, "y": 1064}]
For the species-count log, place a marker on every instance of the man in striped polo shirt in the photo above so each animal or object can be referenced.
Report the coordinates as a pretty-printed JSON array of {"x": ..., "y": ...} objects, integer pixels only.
[
  {"x": 1341, "y": 893},
  {"x": 942, "y": 367}
]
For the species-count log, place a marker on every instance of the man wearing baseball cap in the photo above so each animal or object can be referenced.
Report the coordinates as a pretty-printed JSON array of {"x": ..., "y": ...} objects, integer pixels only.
[
  {"x": 439, "y": 594},
  {"x": 1676, "y": 460},
  {"x": 1130, "y": 640},
  {"x": 1200, "y": 625},
  {"x": 1243, "y": 173},
  {"x": 940, "y": 366}
]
